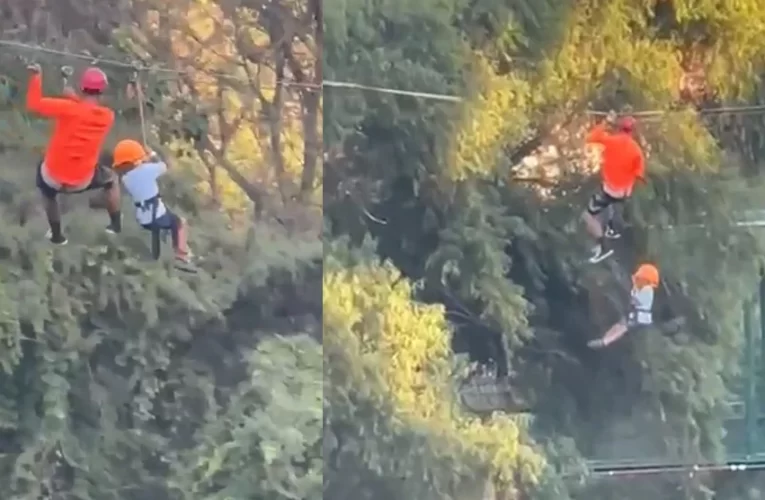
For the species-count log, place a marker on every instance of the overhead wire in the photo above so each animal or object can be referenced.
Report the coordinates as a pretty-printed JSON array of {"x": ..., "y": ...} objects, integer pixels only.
[
  {"x": 136, "y": 65},
  {"x": 172, "y": 71},
  {"x": 142, "y": 66},
  {"x": 616, "y": 470},
  {"x": 703, "y": 111}
]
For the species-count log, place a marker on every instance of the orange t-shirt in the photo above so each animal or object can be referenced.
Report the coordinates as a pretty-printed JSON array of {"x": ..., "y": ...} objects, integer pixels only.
[
  {"x": 623, "y": 162},
  {"x": 78, "y": 135}
]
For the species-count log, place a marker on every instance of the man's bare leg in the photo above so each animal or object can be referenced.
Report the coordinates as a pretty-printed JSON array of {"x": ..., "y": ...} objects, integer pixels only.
[
  {"x": 53, "y": 213},
  {"x": 112, "y": 205},
  {"x": 593, "y": 224},
  {"x": 615, "y": 221}
]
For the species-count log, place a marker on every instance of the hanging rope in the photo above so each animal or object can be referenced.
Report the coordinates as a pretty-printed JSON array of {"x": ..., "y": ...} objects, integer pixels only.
[
  {"x": 138, "y": 87},
  {"x": 137, "y": 83}
]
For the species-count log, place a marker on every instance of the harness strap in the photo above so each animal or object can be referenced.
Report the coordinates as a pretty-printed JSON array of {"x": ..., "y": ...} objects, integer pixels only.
[
  {"x": 152, "y": 204},
  {"x": 148, "y": 204}
]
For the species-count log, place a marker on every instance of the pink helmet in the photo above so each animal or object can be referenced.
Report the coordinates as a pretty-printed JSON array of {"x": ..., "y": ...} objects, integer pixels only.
[
  {"x": 93, "y": 80},
  {"x": 627, "y": 124}
]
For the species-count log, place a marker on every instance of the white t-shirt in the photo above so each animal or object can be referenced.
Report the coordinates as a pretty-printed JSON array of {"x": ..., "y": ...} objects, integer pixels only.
[
  {"x": 642, "y": 303},
  {"x": 141, "y": 185}
]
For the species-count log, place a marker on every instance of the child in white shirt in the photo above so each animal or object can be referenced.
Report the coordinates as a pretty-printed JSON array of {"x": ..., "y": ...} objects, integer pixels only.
[
  {"x": 139, "y": 172},
  {"x": 644, "y": 281}
]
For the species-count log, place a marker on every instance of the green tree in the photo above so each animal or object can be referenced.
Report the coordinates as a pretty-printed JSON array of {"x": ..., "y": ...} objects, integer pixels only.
[
  {"x": 124, "y": 378},
  {"x": 392, "y": 424},
  {"x": 266, "y": 441},
  {"x": 491, "y": 238}
]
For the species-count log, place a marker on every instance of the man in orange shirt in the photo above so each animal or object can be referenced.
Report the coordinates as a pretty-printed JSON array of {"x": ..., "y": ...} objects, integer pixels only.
[
  {"x": 72, "y": 162},
  {"x": 622, "y": 165}
]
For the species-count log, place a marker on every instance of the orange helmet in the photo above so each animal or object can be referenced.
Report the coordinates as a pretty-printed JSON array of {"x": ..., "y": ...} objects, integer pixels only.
[
  {"x": 128, "y": 152},
  {"x": 647, "y": 273}
]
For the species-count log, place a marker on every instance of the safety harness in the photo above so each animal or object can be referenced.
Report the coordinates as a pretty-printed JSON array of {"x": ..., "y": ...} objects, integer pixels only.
[{"x": 153, "y": 204}]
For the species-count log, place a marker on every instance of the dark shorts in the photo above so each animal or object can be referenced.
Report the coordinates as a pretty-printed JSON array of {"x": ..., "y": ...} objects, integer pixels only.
[
  {"x": 103, "y": 178},
  {"x": 600, "y": 201},
  {"x": 168, "y": 221}
]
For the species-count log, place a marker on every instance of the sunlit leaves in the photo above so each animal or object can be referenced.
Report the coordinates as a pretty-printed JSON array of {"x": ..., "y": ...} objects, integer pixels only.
[
  {"x": 498, "y": 115},
  {"x": 395, "y": 351}
]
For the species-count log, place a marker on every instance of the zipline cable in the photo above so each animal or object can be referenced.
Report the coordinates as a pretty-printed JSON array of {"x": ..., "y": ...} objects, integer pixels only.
[
  {"x": 163, "y": 69},
  {"x": 354, "y": 86},
  {"x": 616, "y": 470},
  {"x": 96, "y": 60},
  {"x": 703, "y": 111},
  {"x": 386, "y": 90}
]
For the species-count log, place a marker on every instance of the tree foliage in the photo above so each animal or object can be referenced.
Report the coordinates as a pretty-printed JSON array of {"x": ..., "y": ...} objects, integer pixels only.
[
  {"x": 389, "y": 352},
  {"x": 122, "y": 377},
  {"x": 478, "y": 202}
]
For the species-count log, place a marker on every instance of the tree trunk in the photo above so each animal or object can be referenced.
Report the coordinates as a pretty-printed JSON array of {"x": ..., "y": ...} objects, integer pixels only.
[
  {"x": 276, "y": 108},
  {"x": 311, "y": 141},
  {"x": 311, "y": 97}
]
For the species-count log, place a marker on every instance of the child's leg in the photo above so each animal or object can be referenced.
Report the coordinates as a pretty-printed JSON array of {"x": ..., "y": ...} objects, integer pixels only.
[
  {"x": 612, "y": 335},
  {"x": 615, "y": 333},
  {"x": 179, "y": 234},
  {"x": 178, "y": 228}
]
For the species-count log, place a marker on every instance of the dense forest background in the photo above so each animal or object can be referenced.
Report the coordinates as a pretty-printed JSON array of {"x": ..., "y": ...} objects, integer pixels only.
[
  {"x": 122, "y": 378},
  {"x": 454, "y": 253}
]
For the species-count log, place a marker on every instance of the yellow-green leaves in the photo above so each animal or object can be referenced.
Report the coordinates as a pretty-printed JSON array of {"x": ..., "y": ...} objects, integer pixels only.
[
  {"x": 397, "y": 350},
  {"x": 496, "y": 115},
  {"x": 609, "y": 46}
]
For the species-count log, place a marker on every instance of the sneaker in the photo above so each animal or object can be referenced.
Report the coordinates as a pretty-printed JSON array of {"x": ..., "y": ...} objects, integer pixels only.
[
  {"x": 113, "y": 228},
  {"x": 611, "y": 234},
  {"x": 60, "y": 241},
  {"x": 185, "y": 258},
  {"x": 600, "y": 253},
  {"x": 185, "y": 263},
  {"x": 596, "y": 344}
]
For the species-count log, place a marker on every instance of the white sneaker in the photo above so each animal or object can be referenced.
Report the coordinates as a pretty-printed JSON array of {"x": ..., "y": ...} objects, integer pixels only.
[
  {"x": 63, "y": 241},
  {"x": 611, "y": 234},
  {"x": 600, "y": 254},
  {"x": 596, "y": 344}
]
